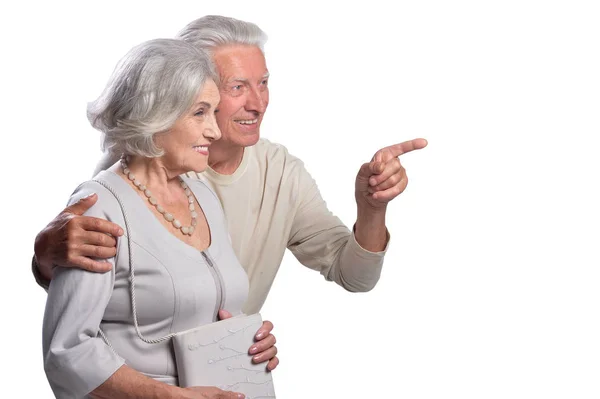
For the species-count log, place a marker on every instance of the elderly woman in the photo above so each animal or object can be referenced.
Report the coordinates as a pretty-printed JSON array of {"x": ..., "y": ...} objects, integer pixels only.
[{"x": 99, "y": 336}]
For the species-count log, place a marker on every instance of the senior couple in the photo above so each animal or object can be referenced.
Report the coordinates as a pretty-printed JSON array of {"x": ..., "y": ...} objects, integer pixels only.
[{"x": 211, "y": 208}]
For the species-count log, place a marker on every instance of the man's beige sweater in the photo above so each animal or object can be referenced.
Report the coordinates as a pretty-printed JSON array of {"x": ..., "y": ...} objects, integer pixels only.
[{"x": 272, "y": 203}]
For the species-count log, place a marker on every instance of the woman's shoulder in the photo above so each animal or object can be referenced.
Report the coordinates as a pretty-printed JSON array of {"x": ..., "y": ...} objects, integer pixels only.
[
  {"x": 206, "y": 196},
  {"x": 201, "y": 189},
  {"x": 106, "y": 206}
]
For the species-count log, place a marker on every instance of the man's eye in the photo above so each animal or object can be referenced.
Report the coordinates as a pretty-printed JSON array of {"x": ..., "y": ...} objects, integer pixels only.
[
  {"x": 237, "y": 87},
  {"x": 264, "y": 82}
]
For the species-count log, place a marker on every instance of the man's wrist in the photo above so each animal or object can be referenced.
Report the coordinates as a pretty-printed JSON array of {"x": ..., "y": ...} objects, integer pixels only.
[
  {"x": 369, "y": 214},
  {"x": 40, "y": 278},
  {"x": 370, "y": 231},
  {"x": 43, "y": 267}
]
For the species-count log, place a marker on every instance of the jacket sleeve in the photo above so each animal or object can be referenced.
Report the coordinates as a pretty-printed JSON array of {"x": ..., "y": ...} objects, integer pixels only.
[
  {"x": 320, "y": 241},
  {"x": 76, "y": 359}
]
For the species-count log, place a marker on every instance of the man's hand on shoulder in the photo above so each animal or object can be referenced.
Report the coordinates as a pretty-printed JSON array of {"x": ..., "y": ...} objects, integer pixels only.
[{"x": 71, "y": 240}]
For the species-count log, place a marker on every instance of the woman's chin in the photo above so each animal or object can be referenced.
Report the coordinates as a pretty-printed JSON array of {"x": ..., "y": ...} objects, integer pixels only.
[{"x": 199, "y": 168}]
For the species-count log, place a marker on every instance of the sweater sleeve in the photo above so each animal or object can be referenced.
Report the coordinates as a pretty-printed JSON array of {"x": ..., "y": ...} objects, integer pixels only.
[
  {"x": 320, "y": 241},
  {"x": 76, "y": 359}
]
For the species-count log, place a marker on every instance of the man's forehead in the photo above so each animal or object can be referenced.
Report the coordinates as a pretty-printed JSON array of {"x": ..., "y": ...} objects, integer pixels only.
[{"x": 240, "y": 61}]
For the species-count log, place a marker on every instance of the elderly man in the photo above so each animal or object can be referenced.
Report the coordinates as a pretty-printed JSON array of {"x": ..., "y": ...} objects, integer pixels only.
[{"x": 270, "y": 200}]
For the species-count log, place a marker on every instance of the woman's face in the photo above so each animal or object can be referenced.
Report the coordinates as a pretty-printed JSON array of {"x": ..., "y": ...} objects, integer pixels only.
[{"x": 186, "y": 144}]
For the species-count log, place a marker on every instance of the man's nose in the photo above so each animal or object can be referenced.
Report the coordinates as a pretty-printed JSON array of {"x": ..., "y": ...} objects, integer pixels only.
[{"x": 255, "y": 101}]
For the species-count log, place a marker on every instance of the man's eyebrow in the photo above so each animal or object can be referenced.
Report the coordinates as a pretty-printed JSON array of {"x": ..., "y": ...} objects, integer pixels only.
[{"x": 244, "y": 80}]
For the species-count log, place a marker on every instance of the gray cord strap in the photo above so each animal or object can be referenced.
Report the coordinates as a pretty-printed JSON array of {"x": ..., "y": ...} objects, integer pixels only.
[
  {"x": 105, "y": 339},
  {"x": 131, "y": 273}
]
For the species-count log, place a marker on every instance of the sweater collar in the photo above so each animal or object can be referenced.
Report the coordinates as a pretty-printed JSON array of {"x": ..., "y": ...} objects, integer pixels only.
[{"x": 220, "y": 179}]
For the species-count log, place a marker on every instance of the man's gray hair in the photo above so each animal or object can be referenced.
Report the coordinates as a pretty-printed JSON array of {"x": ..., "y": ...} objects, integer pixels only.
[
  {"x": 212, "y": 31},
  {"x": 151, "y": 87}
]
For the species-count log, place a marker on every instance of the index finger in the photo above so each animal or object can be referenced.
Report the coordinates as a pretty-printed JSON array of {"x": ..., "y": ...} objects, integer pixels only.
[
  {"x": 407, "y": 146},
  {"x": 100, "y": 225}
]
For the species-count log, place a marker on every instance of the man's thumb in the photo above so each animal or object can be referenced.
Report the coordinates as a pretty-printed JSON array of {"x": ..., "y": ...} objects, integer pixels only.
[
  {"x": 371, "y": 168},
  {"x": 365, "y": 170},
  {"x": 377, "y": 167},
  {"x": 82, "y": 205}
]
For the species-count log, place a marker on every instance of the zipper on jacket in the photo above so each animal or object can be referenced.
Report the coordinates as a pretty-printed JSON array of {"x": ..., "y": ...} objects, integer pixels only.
[{"x": 218, "y": 283}]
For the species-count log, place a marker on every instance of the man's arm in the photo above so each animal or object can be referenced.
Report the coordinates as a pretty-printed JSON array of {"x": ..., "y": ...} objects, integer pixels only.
[
  {"x": 377, "y": 183},
  {"x": 319, "y": 240},
  {"x": 369, "y": 230},
  {"x": 70, "y": 240}
]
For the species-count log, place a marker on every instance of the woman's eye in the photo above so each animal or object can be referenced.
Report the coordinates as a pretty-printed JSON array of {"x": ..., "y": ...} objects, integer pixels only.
[{"x": 199, "y": 113}]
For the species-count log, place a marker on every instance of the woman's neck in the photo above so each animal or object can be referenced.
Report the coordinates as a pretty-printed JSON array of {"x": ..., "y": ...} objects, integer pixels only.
[{"x": 162, "y": 181}]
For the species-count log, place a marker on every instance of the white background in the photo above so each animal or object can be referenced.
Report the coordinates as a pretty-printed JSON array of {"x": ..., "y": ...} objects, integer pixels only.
[{"x": 491, "y": 286}]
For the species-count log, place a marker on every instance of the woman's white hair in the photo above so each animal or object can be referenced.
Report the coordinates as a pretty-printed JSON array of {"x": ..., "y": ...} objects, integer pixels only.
[
  {"x": 212, "y": 31},
  {"x": 151, "y": 87}
]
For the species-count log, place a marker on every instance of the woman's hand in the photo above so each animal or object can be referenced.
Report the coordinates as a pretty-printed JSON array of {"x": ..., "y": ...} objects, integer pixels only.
[
  {"x": 264, "y": 349},
  {"x": 127, "y": 383},
  {"x": 210, "y": 393}
]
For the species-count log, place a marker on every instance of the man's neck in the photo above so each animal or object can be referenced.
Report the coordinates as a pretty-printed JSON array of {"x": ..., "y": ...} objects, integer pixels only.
[{"x": 225, "y": 159}]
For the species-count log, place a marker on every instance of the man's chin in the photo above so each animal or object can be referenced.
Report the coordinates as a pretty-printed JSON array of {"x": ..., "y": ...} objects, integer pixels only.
[{"x": 249, "y": 139}]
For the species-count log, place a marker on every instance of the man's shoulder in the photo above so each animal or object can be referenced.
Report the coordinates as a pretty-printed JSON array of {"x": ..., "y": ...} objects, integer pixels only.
[
  {"x": 274, "y": 153},
  {"x": 265, "y": 146}
]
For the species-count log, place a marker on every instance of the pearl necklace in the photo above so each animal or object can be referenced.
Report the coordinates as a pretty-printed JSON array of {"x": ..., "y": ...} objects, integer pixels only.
[{"x": 186, "y": 230}]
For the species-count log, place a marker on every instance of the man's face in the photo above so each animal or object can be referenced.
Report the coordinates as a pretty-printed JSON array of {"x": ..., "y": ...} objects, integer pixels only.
[{"x": 244, "y": 93}]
